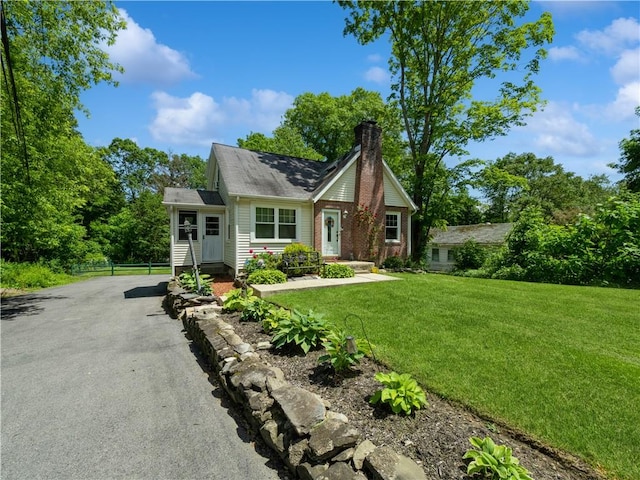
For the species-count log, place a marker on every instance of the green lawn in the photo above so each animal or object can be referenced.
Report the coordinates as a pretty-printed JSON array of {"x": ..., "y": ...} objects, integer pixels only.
[{"x": 561, "y": 363}]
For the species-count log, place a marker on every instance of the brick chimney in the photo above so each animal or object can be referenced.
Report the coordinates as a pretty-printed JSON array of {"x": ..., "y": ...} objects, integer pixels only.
[{"x": 369, "y": 191}]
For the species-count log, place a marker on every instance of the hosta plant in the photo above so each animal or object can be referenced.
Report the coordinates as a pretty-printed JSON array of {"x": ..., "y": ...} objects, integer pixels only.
[
  {"x": 401, "y": 392},
  {"x": 189, "y": 282},
  {"x": 493, "y": 461},
  {"x": 336, "y": 270},
  {"x": 343, "y": 351},
  {"x": 304, "y": 330},
  {"x": 238, "y": 299},
  {"x": 256, "y": 311},
  {"x": 274, "y": 317}
]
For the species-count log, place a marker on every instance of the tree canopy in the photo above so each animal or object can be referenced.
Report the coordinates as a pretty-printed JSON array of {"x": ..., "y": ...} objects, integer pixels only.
[
  {"x": 321, "y": 127},
  {"x": 439, "y": 51},
  {"x": 629, "y": 163},
  {"x": 51, "y": 52}
]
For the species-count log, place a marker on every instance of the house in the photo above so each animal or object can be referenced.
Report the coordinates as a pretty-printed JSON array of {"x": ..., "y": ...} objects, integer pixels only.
[
  {"x": 442, "y": 246},
  {"x": 350, "y": 208}
]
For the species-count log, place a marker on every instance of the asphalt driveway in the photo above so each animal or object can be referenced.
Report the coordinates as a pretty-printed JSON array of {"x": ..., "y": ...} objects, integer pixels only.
[{"x": 99, "y": 383}]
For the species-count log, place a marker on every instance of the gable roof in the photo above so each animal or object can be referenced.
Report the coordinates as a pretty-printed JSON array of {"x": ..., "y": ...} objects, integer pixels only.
[
  {"x": 251, "y": 173},
  {"x": 483, "y": 233},
  {"x": 186, "y": 196}
]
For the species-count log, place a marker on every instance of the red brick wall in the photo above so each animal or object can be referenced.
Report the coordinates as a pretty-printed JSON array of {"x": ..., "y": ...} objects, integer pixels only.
[{"x": 369, "y": 189}]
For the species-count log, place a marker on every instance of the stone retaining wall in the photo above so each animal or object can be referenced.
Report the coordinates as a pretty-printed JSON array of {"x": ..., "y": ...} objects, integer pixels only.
[{"x": 315, "y": 442}]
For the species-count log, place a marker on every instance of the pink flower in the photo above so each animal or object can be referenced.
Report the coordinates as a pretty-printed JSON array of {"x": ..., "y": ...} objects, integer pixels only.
[
  {"x": 265, "y": 247},
  {"x": 251, "y": 251},
  {"x": 255, "y": 256}
]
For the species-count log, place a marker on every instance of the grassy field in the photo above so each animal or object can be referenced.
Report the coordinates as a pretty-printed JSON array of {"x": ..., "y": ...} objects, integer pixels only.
[{"x": 561, "y": 363}]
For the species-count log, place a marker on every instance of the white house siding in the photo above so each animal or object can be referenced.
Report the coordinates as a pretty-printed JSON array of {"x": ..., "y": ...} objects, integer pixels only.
[
  {"x": 230, "y": 236},
  {"x": 392, "y": 196},
  {"x": 244, "y": 227},
  {"x": 443, "y": 265},
  {"x": 344, "y": 188},
  {"x": 181, "y": 255}
]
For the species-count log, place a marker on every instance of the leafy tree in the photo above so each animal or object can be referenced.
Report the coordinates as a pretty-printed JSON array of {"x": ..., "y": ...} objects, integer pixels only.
[
  {"x": 179, "y": 171},
  {"x": 326, "y": 123},
  {"x": 440, "y": 50},
  {"x": 286, "y": 140},
  {"x": 629, "y": 163},
  {"x": 134, "y": 166},
  {"x": 514, "y": 182},
  {"x": 321, "y": 127},
  {"x": 51, "y": 52}
]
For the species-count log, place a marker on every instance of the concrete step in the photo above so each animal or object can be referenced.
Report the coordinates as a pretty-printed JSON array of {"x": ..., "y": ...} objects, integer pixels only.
[{"x": 358, "y": 265}]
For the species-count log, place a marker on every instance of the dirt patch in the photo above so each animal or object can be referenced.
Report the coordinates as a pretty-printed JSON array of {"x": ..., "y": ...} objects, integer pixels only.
[{"x": 435, "y": 437}]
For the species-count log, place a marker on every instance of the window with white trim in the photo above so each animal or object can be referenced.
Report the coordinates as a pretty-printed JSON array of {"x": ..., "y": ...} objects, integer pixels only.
[
  {"x": 451, "y": 255},
  {"x": 276, "y": 223},
  {"x": 192, "y": 217},
  {"x": 392, "y": 227},
  {"x": 435, "y": 254}
]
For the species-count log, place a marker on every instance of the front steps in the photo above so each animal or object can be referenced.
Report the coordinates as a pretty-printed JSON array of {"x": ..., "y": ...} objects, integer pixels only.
[{"x": 358, "y": 266}]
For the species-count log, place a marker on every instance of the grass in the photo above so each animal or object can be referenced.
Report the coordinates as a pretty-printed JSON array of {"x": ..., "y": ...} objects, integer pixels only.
[
  {"x": 34, "y": 276},
  {"x": 561, "y": 363}
]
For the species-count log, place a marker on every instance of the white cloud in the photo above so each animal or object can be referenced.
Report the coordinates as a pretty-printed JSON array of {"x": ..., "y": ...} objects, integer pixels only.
[
  {"x": 144, "y": 59},
  {"x": 199, "y": 119},
  {"x": 627, "y": 68},
  {"x": 374, "y": 58},
  {"x": 565, "y": 53},
  {"x": 558, "y": 132},
  {"x": 623, "y": 107},
  {"x": 377, "y": 75},
  {"x": 622, "y": 33},
  {"x": 190, "y": 121}
]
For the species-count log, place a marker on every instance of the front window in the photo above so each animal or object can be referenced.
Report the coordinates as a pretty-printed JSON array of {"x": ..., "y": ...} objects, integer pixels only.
[
  {"x": 286, "y": 223},
  {"x": 275, "y": 223},
  {"x": 435, "y": 254},
  {"x": 451, "y": 255},
  {"x": 392, "y": 227},
  {"x": 265, "y": 222},
  {"x": 192, "y": 218}
]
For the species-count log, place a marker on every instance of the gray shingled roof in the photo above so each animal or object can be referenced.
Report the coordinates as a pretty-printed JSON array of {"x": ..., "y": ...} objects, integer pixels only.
[
  {"x": 483, "y": 233},
  {"x": 267, "y": 174},
  {"x": 185, "y": 196}
]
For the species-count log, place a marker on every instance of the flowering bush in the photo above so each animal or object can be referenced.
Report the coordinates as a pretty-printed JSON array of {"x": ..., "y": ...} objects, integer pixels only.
[{"x": 261, "y": 260}]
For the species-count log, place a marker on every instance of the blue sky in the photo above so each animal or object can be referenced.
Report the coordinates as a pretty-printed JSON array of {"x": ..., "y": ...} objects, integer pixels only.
[{"x": 199, "y": 72}]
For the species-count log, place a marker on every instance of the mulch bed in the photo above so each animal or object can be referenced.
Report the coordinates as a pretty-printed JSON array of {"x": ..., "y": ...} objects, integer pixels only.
[{"x": 436, "y": 437}]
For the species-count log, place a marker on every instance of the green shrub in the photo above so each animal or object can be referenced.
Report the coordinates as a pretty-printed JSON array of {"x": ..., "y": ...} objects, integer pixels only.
[
  {"x": 274, "y": 318},
  {"x": 494, "y": 462},
  {"x": 343, "y": 351},
  {"x": 256, "y": 310},
  {"x": 470, "y": 256},
  {"x": 238, "y": 299},
  {"x": 30, "y": 275},
  {"x": 305, "y": 331},
  {"x": 401, "y": 392},
  {"x": 337, "y": 270},
  {"x": 188, "y": 282},
  {"x": 266, "y": 277},
  {"x": 393, "y": 263}
]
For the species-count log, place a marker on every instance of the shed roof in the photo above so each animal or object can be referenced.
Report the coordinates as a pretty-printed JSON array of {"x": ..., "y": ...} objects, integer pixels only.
[
  {"x": 186, "y": 196},
  {"x": 483, "y": 233},
  {"x": 252, "y": 173}
]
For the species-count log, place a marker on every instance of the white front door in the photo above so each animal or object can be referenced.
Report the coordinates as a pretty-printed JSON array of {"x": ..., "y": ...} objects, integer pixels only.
[
  {"x": 212, "y": 239},
  {"x": 331, "y": 233}
]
